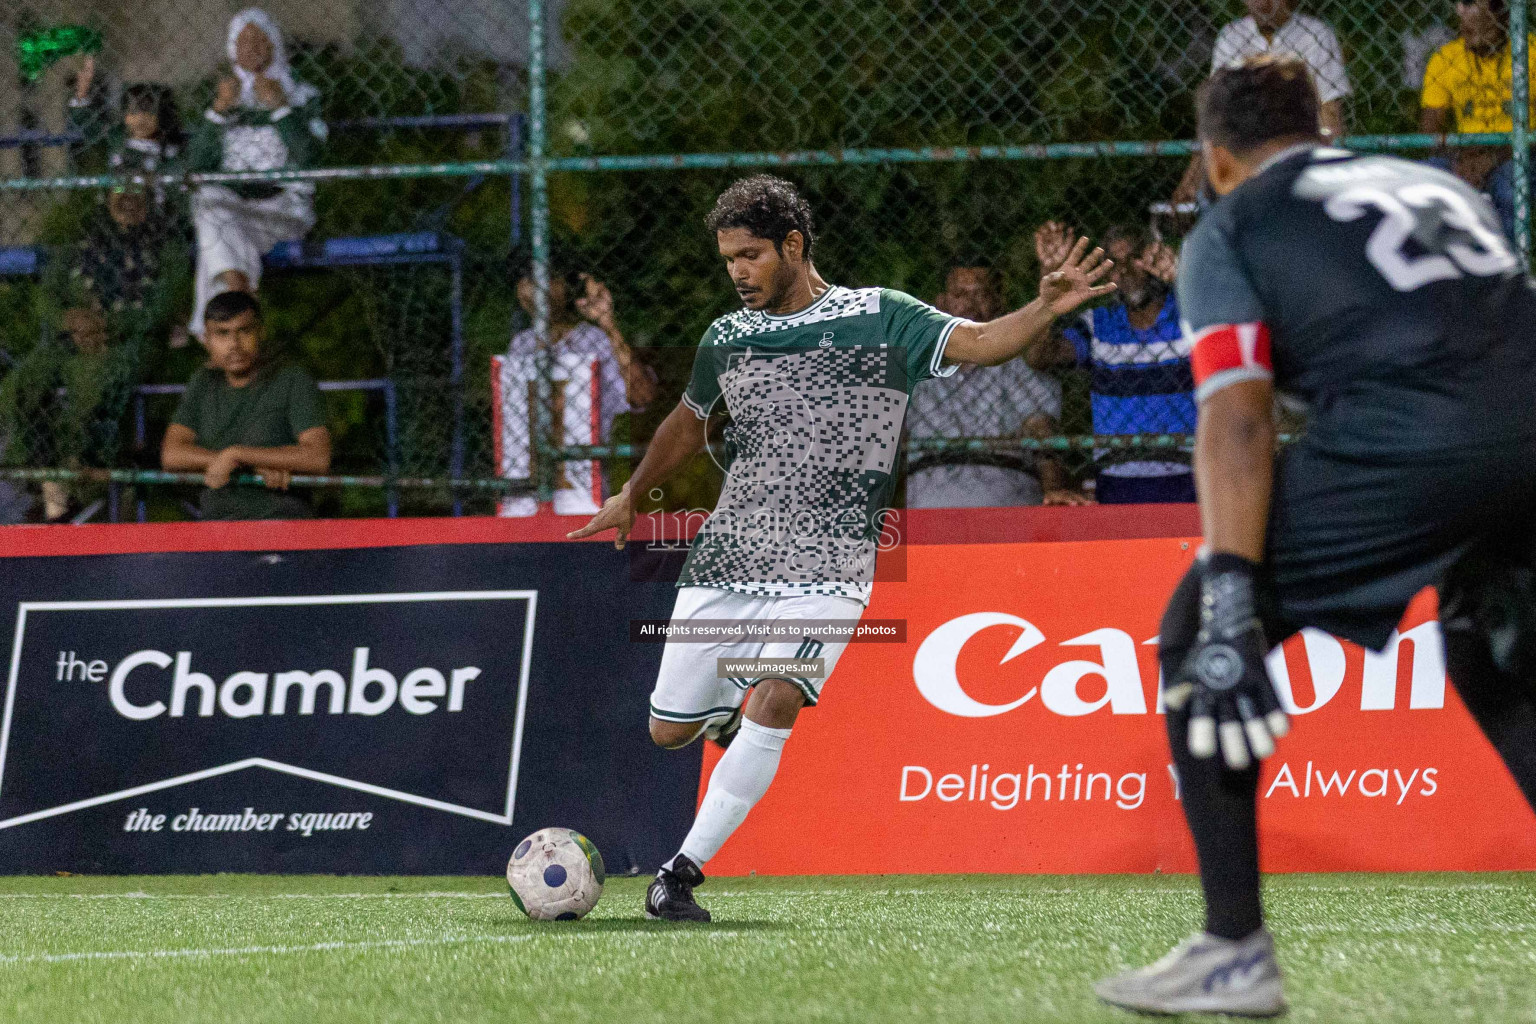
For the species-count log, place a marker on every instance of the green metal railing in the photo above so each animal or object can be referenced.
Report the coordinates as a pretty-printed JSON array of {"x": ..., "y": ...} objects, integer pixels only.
[
  {"x": 375, "y": 481},
  {"x": 534, "y": 163}
]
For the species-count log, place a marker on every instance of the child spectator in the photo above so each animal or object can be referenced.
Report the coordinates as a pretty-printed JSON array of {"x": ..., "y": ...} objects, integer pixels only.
[
  {"x": 261, "y": 119},
  {"x": 146, "y": 138},
  {"x": 246, "y": 410}
]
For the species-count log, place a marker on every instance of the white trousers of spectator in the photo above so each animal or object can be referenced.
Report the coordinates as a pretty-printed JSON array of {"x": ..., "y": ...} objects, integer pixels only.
[
  {"x": 235, "y": 233},
  {"x": 579, "y": 486}
]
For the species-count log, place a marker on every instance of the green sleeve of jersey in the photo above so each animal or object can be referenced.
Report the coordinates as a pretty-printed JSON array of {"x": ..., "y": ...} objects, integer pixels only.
[
  {"x": 703, "y": 389},
  {"x": 919, "y": 329}
]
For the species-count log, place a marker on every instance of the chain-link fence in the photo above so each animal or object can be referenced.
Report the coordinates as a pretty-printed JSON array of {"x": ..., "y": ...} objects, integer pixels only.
[{"x": 393, "y": 170}]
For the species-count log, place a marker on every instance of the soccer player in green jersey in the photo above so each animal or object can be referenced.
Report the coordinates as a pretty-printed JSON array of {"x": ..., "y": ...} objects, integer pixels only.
[{"x": 815, "y": 379}]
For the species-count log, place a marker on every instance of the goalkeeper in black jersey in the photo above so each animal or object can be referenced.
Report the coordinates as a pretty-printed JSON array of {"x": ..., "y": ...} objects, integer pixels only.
[{"x": 1382, "y": 297}]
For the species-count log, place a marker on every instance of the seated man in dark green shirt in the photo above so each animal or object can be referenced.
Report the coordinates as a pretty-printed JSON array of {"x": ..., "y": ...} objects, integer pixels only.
[{"x": 244, "y": 411}]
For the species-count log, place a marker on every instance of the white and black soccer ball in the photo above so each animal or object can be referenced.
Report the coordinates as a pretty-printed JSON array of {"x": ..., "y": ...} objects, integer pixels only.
[{"x": 555, "y": 875}]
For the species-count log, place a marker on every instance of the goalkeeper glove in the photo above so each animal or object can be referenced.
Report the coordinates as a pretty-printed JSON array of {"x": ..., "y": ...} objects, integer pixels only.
[{"x": 1223, "y": 680}]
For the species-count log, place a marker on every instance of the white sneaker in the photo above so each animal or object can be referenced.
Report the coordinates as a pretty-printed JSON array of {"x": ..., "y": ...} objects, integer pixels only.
[{"x": 1204, "y": 974}]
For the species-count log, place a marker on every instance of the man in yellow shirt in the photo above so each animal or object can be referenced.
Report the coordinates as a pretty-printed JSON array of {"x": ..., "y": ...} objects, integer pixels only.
[{"x": 1468, "y": 88}]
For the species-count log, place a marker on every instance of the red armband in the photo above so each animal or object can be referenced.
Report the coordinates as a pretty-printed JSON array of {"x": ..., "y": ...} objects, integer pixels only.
[{"x": 1224, "y": 354}]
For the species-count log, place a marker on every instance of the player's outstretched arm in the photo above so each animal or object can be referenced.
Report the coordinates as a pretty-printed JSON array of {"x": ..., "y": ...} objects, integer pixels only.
[
  {"x": 680, "y": 437},
  {"x": 1075, "y": 283}
]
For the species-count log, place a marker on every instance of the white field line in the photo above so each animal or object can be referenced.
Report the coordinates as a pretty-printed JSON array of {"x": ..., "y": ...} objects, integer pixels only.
[
  {"x": 717, "y": 893},
  {"x": 711, "y": 935},
  {"x": 254, "y": 896},
  {"x": 317, "y": 947},
  {"x": 1426, "y": 927},
  {"x": 1181, "y": 893}
]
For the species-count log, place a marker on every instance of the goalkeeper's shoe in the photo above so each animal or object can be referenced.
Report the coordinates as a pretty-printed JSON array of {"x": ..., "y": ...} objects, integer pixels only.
[
  {"x": 725, "y": 730},
  {"x": 670, "y": 897},
  {"x": 1204, "y": 974}
]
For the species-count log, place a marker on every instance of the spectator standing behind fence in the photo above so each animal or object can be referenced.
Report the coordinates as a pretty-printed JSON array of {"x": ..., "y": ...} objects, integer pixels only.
[
  {"x": 1469, "y": 88},
  {"x": 1003, "y": 402},
  {"x": 116, "y": 294},
  {"x": 1274, "y": 26},
  {"x": 595, "y": 377},
  {"x": 262, "y": 119},
  {"x": 1138, "y": 357},
  {"x": 245, "y": 410}
]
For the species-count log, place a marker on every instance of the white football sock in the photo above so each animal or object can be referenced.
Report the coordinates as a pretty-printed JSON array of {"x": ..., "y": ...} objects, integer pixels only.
[{"x": 739, "y": 781}]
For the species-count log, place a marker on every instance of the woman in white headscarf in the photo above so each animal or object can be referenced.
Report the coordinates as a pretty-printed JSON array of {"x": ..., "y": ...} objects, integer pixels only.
[{"x": 262, "y": 119}]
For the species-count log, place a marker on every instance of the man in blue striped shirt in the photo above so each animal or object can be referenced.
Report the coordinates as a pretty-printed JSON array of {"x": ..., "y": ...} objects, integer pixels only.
[{"x": 1139, "y": 362}]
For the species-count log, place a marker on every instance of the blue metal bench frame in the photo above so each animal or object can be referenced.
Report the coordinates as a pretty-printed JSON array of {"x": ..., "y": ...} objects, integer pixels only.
[{"x": 387, "y": 250}]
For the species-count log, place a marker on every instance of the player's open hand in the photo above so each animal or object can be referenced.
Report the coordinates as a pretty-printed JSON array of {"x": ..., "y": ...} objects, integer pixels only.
[
  {"x": 1231, "y": 699},
  {"x": 617, "y": 513},
  {"x": 1077, "y": 280}
]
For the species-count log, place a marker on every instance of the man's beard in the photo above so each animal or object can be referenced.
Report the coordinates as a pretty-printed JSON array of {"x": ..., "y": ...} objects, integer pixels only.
[{"x": 775, "y": 294}]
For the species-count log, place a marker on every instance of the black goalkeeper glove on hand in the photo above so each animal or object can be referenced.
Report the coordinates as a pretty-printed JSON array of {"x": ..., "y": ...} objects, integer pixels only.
[{"x": 1223, "y": 679}]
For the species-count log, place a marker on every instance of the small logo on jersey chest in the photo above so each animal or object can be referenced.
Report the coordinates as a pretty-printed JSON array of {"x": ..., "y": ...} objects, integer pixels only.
[{"x": 826, "y": 340}]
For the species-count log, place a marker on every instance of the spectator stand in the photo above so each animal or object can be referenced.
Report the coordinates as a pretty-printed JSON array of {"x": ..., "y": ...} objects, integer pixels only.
[{"x": 431, "y": 244}]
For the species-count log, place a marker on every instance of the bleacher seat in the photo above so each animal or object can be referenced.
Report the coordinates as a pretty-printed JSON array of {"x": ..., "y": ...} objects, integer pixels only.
[{"x": 20, "y": 261}]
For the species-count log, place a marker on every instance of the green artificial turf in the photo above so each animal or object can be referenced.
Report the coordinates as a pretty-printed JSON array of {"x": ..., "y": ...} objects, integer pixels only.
[{"x": 1379, "y": 948}]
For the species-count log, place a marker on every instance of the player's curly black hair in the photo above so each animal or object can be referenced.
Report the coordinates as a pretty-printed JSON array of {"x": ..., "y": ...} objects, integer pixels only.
[{"x": 768, "y": 207}]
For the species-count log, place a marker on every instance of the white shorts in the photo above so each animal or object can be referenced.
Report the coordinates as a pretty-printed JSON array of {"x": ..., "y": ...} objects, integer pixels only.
[{"x": 689, "y": 689}]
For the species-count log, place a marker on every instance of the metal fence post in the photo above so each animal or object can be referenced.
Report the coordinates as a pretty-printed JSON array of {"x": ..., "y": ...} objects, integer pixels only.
[
  {"x": 515, "y": 152},
  {"x": 542, "y": 443},
  {"x": 392, "y": 446},
  {"x": 456, "y": 320},
  {"x": 1519, "y": 45}
]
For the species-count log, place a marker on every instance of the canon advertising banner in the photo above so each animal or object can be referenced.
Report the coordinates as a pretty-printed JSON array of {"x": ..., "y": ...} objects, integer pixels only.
[
  {"x": 1019, "y": 731},
  {"x": 413, "y": 698},
  {"x": 410, "y": 709}
]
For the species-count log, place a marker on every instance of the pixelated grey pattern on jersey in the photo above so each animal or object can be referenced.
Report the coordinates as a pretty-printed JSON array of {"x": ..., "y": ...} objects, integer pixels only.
[{"x": 816, "y": 401}]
